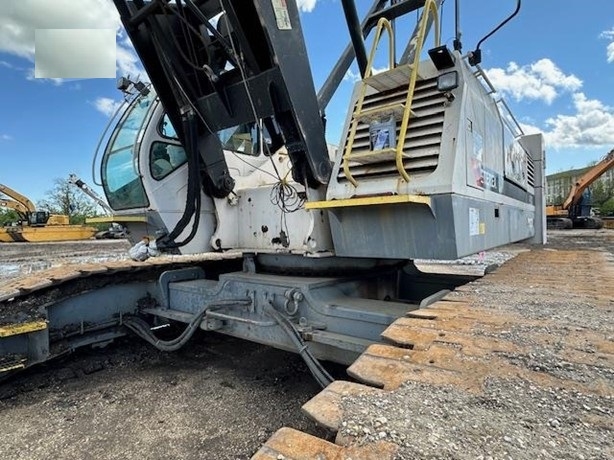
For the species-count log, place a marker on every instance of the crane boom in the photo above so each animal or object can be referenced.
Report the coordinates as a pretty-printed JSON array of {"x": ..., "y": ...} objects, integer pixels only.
[
  {"x": 18, "y": 197},
  {"x": 588, "y": 178},
  {"x": 74, "y": 179}
]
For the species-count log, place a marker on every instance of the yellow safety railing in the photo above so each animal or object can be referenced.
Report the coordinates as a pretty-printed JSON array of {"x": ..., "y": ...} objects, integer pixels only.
[
  {"x": 382, "y": 24},
  {"x": 430, "y": 10}
]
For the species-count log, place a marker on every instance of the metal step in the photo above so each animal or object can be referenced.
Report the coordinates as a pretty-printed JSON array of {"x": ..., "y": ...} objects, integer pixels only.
[
  {"x": 373, "y": 156},
  {"x": 10, "y": 363},
  {"x": 9, "y": 330},
  {"x": 391, "y": 79},
  {"x": 344, "y": 342},
  {"x": 396, "y": 111}
]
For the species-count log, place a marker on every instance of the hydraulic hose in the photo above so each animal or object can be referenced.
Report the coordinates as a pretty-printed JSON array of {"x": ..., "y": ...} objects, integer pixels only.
[
  {"x": 193, "y": 201},
  {"x": 143, "y": 329},
  {"x": 316, "y": 368}
]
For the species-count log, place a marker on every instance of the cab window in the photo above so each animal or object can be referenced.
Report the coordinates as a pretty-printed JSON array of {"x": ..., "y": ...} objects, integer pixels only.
[
  {"x": 241, "y": 139},
  {"x": 167, "y": 129},
  {"x": 165, "y": 158},
  {"x": 120, "y": 176}
]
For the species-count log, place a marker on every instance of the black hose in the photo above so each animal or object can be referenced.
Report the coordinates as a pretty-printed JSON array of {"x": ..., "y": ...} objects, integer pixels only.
[
  {"x": 316, "y": 368},
  {"x": 193, "y": 199},
  {"x": 509, "y": 18},
  {"x": 143, "y": 330}
]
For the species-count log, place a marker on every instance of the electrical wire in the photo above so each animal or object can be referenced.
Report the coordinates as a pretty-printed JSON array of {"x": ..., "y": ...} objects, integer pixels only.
[{"x": 283, "y": 194}]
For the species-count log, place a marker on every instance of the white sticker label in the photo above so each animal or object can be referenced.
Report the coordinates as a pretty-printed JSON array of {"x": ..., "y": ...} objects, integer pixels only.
[
  {"x": 281, "y": 14},
  {"x": 474, "y": 221}
]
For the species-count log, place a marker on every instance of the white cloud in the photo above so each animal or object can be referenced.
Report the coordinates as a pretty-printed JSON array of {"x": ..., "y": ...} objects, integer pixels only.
[
  {"x": 30, "y": 76},
  {"x": 19, "y": 21},
  {"x": 128, "y": 63},
  {"x": 6, "y": 137},
  {"x": 306, "y": 5},
  {"x": 591, "y": 125},
  {"x": 352, "y": 76},
  {"x": 107, "y": 105},
  {"x": 609, "y": 35},
  {"x": 542, "y": 80}
]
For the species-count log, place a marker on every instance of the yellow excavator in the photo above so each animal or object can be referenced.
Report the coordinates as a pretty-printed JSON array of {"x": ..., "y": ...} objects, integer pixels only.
[
  {"x": 38, "y": 226},
  {"x": 575, "y": 212},
  {"x": 21, "y": 211}
]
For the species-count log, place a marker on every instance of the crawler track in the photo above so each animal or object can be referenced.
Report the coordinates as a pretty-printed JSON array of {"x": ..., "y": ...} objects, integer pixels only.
[
  {"x": 28, "y": 288},
  {"x": 482, "y": 332}
]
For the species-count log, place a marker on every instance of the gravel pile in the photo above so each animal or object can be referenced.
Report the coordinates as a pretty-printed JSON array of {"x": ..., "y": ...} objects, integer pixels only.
[
  {"x": 484, "y": 258},
  {"x": 497, "y": 424},
  {"x": 562, "y": 335}
]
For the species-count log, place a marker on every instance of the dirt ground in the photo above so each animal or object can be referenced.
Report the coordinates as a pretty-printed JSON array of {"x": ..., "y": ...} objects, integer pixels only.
[{"x": 220, "y": 398}]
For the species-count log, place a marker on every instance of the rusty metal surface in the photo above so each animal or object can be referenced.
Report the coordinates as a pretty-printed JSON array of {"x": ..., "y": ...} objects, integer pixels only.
[
  {"x": 39, "y": 281},
  {"x": 290, "y": 444},
  {"x": 477, "y": 332}
]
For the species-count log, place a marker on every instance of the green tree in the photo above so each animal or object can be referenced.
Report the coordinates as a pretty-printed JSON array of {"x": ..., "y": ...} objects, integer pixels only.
[
  {"x": 607, "y": 208},
  {"x": 64, "y": 198},
  {"x": 7, "y": 216}
]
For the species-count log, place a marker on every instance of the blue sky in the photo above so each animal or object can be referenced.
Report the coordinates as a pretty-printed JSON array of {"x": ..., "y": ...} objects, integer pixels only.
[{"x": 554, "y": 64}]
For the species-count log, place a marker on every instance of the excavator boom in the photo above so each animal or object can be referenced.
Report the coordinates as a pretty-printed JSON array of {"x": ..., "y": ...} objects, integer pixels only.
[
  {"x": 14, "y": 205},
  {"x": 18, "y": 197},
  {"x": 588, "y": 178}
]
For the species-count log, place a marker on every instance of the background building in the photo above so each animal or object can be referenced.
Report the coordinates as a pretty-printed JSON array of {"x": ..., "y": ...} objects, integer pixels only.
[{"x": 558, "y": 185}]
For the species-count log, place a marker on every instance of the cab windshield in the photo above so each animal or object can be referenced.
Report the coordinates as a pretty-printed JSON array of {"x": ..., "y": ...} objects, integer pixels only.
[{"x": 120, "y": 176}]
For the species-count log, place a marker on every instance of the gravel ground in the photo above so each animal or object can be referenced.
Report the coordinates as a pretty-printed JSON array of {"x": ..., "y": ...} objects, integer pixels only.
[
  {"x": 18, "y": 259},
  {"x": 497, "y": 424},
  {"x": 221, "y": 398},
  {"x": 565, "y": 336}
]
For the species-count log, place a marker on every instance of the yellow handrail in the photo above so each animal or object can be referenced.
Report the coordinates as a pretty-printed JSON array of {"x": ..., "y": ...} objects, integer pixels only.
[
  {"x": 382, "y": 24},
  {"x": 430, "y": 8},
  {"x": 429, "y": 11}
]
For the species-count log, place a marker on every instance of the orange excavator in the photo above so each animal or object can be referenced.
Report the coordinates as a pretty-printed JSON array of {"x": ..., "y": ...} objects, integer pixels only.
[
  {"x": 38, "y": 226},
  {"x": 575, "y": 212}
]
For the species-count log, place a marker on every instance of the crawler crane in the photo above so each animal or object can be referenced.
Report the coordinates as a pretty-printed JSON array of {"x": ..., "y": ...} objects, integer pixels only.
[
  {"x": 287, "y": 241},
  {"x": 115, "y": 230}
]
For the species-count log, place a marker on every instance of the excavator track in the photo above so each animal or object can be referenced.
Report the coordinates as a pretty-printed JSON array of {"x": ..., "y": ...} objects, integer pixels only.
[
  {"x": 43, "y": 287},
  {"x": 475, "y": 334}
]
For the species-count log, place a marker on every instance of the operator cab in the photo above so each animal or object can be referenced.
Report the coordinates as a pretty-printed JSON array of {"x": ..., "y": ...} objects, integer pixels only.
[{"x": 144, "y": 170}]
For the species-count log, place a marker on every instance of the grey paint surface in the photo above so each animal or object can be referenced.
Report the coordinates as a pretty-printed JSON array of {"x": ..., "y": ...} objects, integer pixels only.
[{"x": 411, "y": 231}]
